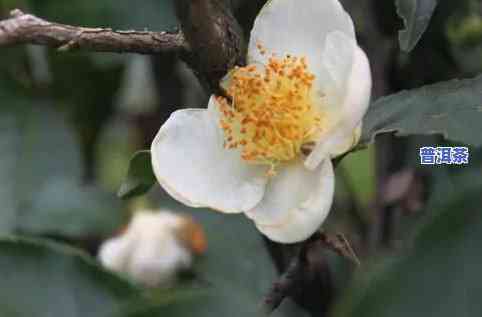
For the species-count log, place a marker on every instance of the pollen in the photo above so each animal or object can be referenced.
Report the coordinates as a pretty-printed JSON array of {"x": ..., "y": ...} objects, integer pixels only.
[{"x": 270, "y": 114}]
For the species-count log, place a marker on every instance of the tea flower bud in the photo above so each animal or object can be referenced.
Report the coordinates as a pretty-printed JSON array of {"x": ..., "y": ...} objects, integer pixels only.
[{"x": 154, "y": 248}]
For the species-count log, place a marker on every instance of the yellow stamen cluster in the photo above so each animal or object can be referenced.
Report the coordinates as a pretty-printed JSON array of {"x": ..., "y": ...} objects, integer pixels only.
[{"x": 270, "y": 113}]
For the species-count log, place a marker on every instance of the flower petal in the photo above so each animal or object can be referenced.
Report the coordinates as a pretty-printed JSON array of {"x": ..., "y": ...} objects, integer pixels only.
[
  {"x": 191, "y": 164},
  {"x": 296, "y": 203},
  {"x": 148, "y": 251},
  {"x": 298, "y": 28},
  {"x": 355, "y": 81},
  {"x": 114, "y": 253},
  {"x": 347, "y": 142},
  {"x": 338, "y": 58}
]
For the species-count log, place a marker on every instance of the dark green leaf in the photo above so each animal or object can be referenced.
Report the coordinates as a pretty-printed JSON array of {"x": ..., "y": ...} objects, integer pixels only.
[
  {"x": 36, "y": 146},
  {"x": 140, "y": 177},
  {"x": 40, "y": 171},
  {"x": 440, "y": 277},
  {"x": 452, "y": 109},
  {"x": 45, "y": 280},
  {"x": 66, "y": 209},
  {"x": 416, "y": 15}
]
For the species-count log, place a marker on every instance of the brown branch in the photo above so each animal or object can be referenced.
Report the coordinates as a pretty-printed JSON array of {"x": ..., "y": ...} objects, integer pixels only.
[
  {"x": 24, "y": 28},
  {"x": 211, "y": 41},
  {"x": 286, "y": 284},
  {"x": 215, "y": 37},
  {"x": 307, "y": 278}
]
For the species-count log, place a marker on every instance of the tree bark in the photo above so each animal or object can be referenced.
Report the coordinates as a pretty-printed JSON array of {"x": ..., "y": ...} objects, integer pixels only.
[{"x": 24, "y": 28}]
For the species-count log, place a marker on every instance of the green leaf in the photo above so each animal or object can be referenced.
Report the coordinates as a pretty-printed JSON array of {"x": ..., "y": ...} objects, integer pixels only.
[
  {"x": 140, "y": 177},
  {"x": 416, "y": 15},
  {"x": 36, "y": 146},
  {"x": 40, "y": 171},
  {"x": 359, "y": 171},
  {"x": 45, "y": 279},
  {"x": 440, "y": 277},
  {"x": 452, "y": 109},
  {"x": 66, "y": 209}
]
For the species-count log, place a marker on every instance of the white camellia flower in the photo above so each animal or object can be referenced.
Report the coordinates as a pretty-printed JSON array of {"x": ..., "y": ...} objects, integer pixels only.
[
  {"x": 266, "y": 149},
  {"x": 154, "y": 248}
]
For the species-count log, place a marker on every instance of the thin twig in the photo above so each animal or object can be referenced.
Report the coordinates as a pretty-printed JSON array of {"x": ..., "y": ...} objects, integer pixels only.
[
  {"x": 341, "y": 246},
  {"x": 24, "y": 28}
]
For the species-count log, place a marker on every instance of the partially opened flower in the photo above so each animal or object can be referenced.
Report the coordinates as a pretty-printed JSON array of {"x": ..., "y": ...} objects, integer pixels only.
[
  {"x": 266, "y": 148},
  {"x": 154, "y": 248}
]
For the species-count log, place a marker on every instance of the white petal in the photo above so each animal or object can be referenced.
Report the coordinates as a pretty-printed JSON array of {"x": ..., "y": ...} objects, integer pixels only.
[
  {"x": 331, "y": 82},
  {"x": 298, "y": 28},
  {"x": 348, "y": 115},
  {"x": 346, "y": 143},
  {"x": 296, "y": 203},
  {"x": 157, "y": 257},
  {"x": 191, "y": 164},
  {"x": 114, "y": 253},
  {"x": 338, "y": 57},
  {"x": 148, "y": 251}
]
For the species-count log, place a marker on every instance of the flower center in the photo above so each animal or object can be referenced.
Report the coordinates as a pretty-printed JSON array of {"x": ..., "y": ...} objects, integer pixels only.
[{"x": 270, "y": 114}]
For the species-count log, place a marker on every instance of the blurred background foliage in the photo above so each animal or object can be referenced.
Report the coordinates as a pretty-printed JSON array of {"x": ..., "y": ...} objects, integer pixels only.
[{"x": 70, "y": 124}]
